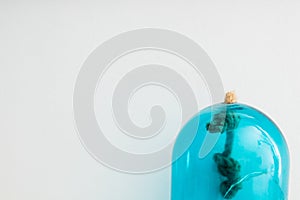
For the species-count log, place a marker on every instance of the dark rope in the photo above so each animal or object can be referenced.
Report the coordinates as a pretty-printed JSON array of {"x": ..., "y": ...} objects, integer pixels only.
[{"x": 227, "y": 166}]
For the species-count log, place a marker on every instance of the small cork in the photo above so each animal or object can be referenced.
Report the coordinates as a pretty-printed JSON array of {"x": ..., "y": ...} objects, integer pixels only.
[{"x": 230, "y": 97}]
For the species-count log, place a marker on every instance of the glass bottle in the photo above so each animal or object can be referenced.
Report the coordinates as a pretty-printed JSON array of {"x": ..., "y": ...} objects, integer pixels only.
[{"x": 236, "y": 153}]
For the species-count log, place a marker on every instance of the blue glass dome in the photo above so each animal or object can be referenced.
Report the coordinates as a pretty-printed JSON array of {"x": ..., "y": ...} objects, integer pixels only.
[{"x": 236, "y": 153}]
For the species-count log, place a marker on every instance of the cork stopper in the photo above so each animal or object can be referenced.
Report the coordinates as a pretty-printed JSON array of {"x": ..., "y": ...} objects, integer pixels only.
[{"x": 230, "y": 98}]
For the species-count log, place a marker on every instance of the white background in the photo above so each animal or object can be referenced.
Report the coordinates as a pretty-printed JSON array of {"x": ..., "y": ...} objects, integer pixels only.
[{"x": 255, "y": 46}]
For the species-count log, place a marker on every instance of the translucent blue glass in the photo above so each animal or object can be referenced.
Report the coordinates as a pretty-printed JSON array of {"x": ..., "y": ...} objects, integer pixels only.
[{"x": 242, "y": 156}]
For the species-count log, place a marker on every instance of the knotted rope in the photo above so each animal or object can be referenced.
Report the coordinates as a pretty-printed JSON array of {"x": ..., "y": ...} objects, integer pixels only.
[{"x": 228, "y": 167}]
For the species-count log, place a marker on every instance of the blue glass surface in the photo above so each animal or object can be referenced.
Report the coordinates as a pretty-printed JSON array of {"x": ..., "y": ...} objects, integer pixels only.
[{"x": 257, "y": 146}]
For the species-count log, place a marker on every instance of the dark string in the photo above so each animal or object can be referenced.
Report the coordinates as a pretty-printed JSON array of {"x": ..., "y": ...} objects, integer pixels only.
[{"x": 227, "y": 166}]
